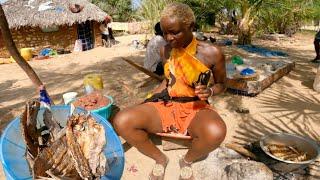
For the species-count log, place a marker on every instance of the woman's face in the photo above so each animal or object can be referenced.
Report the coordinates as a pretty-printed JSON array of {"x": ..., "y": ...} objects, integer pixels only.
[{"x": 176, "y": 33}]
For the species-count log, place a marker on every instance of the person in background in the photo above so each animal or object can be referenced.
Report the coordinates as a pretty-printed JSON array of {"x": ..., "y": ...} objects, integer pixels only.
[
  {"x": 106, "y": 32},
  {"x": 153, "y": 60},
  {"x": 317, "y": 48},
  {"x": 179, "y": 106}
]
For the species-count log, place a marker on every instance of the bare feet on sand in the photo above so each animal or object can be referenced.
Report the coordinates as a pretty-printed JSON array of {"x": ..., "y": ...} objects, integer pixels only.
[
  {"x": 185, "y": 170},
  {"x": 159, "y": 169}
]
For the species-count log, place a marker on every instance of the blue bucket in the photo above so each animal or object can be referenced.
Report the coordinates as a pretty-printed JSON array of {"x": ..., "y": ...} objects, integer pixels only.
[
  {"x": 106, "y": 110},
  {"x": 12, "y": 147}
]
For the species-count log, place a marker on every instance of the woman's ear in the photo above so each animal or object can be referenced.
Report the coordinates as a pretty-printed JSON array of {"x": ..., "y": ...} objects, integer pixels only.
[{"x": 192, "y": 26}]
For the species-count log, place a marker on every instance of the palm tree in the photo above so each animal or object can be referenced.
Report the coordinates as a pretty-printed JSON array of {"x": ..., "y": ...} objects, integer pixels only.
[
  {"x": 150, "y": 11},
  {"x": 280, "y": 16}
]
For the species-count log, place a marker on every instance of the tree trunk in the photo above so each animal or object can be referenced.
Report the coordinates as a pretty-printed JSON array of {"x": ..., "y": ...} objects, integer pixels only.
[
  {"x": 8, "y": 41},
  {"x": 245, "y": 27},
  {"x": 244, "y": 37},
  {"x": 249, "y": 14}
]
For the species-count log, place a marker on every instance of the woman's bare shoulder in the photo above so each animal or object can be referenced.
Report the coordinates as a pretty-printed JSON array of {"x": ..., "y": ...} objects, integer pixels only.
[{"x": 212, "y": 53}]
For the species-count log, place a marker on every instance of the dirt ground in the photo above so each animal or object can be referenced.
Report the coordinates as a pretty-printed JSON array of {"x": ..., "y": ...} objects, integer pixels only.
[{"x": 289, "y": 105}]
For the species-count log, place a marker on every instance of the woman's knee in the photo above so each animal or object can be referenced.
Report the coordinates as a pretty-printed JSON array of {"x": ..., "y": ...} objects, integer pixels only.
[
  {"x": 214, "y": 132},
  {"x": 122, "y": 122}
]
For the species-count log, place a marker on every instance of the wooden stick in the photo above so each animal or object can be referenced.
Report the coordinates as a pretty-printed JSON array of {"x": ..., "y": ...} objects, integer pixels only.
[
  {"x": 8, "y": 41},
  {"x": 241, "y": 150},
  {"x": 144, "y": 70},
  {"x": 14, "y": 51}
]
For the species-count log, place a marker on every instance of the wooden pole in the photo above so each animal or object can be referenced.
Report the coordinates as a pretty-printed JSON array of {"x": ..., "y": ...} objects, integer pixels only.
[
  {"x": 14, "y": 51},
  {"x": 8, "y": 41},
  {"x": 144, "y": 70},
  {"x": 241, "y": 150}
]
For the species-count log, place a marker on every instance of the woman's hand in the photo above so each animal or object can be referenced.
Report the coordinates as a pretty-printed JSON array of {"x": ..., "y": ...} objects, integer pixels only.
[{"x": 203, "y": 92}]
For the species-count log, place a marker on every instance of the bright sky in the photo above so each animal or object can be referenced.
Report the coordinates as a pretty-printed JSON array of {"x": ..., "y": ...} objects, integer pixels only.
[{"x": 135, "y": 3}]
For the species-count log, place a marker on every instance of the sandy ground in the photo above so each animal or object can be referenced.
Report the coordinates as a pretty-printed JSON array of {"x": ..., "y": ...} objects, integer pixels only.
[{"x": 289, "y": 105}]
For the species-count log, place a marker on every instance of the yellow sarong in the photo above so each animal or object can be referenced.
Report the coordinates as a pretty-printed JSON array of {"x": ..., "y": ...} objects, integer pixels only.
[{"x": 183, "y": 70}]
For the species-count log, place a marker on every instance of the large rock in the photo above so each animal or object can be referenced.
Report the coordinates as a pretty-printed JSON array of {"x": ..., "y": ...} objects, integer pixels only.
[
  {"x": 226, "y": 164},
  {"x": 249, "y": 170}
]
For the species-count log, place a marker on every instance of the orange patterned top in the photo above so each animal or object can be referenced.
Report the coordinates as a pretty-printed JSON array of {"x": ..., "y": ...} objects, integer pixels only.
[{"x": 183, "y": 70}]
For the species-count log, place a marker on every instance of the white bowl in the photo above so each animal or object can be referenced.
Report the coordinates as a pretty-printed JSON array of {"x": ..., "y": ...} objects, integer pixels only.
[
  {"x": 241, "y": 67},
  {"x": 69, "y": 97}
]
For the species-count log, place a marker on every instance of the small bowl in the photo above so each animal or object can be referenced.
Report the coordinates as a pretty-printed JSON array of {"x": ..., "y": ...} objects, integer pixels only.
[
  {"x": 105, "y": 111},
  {"x": 247, "y": 72},
  {"x": 239, "y": 68}
]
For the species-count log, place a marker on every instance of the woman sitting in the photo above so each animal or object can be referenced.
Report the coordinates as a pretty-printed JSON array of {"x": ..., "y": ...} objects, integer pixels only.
[{"x": 179, "y": 105}]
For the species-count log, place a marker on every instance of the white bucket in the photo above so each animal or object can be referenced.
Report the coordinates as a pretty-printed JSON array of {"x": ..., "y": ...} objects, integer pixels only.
[{"x": 69, "y": 97}]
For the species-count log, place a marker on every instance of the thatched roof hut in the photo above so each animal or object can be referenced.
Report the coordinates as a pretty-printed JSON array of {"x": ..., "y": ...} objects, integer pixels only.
[
  {"x": 21, "y": 13},
  {"x": 56, "y": 27}
]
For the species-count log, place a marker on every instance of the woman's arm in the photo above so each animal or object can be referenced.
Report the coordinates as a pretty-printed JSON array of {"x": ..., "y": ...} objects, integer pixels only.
[
  {"x": 213, "y": 58},
  {"x": 219, "y": 73}
]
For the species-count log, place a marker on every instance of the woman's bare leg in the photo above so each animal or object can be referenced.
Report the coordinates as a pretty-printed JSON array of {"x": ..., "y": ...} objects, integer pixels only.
[
  {"x": 134, "y": 124},
  {"x": 208, "y": 131}
]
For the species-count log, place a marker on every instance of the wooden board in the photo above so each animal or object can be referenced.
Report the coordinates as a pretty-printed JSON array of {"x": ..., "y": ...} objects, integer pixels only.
[
  {"x": 174, "y": 143},
  {"x": 253, "y": 88}
]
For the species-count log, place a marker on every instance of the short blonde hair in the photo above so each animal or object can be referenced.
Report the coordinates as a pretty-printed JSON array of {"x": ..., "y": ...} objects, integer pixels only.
[{"x": 180, "y": 11}]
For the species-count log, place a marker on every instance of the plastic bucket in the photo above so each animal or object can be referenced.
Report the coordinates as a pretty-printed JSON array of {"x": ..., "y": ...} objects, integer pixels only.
[
  {"x": 12, "y": 147},
  {"x": 92, "y": 82},
  {"x": 106, "y": 110},
  {"x": 26, "y": 53}
]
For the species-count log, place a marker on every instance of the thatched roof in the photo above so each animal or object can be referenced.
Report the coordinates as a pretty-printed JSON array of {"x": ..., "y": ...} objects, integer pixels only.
[{"x": 19, "y": 14}]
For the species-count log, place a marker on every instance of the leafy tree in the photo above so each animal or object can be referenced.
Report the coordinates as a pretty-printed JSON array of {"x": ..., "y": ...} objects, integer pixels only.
[
  {"x": 284, "y": 16},
  {"x": 150, "y": 11},
  {"x": 287, "y": 17},
  {"x": 269, "y": 16},
  {"x": 265, "y": 16},
  {"x": 204, "y": 10},
  {"x": 120, "y": 10}
]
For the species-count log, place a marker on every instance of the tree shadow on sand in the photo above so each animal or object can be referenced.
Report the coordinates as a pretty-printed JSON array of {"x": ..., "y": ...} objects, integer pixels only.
[
  {"x": 283, "y": 112},
  {"x": 121, "y": 81}
]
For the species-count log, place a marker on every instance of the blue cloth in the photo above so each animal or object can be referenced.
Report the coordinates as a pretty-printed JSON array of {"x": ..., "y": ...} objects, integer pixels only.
[
  {"x": 45, "y": 52},
  {"x": 228, "y": 42},
  {"x": 262, "y": 51}
]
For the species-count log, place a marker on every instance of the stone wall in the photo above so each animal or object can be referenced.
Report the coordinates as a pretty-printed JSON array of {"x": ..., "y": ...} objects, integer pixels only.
[
  {"x": 34, "y": 37},
  {"x": 131, "y": 27}
]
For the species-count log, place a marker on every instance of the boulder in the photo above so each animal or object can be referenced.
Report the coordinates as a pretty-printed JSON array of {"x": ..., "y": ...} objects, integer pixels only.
[{"x": 226, "y": 164}]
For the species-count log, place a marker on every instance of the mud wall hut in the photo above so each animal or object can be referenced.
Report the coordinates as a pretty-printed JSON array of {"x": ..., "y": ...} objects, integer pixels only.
[{"x": 40, "y": 23}]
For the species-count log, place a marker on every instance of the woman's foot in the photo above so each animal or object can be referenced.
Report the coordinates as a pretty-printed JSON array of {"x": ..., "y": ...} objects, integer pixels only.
[
  {"x": 159, "y": 170},
  {"x": 185, "y": 170}
]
